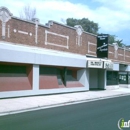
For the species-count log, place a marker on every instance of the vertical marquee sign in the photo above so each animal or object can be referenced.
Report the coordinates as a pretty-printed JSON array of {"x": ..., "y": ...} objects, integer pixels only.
[{"x": 102, "y": 46}]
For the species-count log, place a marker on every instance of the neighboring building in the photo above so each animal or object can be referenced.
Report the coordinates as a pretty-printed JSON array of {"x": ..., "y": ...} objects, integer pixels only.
[
  {"x": 40, "y": 59},
  {"x": 127, "y": 47}
]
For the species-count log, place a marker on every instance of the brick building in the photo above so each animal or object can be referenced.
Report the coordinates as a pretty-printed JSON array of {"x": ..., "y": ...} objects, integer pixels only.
[{"x": 54, "y": 58}]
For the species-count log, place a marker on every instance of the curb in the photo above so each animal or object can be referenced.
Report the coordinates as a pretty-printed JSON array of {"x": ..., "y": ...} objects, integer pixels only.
[{"x": 60, "y": 104}]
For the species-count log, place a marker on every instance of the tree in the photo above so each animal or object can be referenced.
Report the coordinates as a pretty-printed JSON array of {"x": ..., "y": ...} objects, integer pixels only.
[
  {"x": 87, "y": 25},
  {"x": 113, "y": 39},
  {"x": 28, "y": 12},
  {"x": 119, "y": 42},
  {"x": 91, "y": 27}
]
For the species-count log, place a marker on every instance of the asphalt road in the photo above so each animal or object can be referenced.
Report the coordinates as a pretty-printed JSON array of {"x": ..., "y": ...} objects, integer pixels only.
[{"x": 96, "y": 115}]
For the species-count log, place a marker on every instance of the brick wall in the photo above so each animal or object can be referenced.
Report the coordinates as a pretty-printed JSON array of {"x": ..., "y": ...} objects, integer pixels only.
[
  {"x": 15, "y": 79},
  {"x": 122, "y": 56},
  {"x": 56, "y": 36}
]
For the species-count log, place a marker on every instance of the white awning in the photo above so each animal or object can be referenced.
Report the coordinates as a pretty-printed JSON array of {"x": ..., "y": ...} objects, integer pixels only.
[
  {"x": 99, "y": 63},
  {"x": 97, "y": 59}
]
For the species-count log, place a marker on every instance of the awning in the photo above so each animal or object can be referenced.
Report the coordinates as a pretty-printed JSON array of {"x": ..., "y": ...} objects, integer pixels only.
[{"x": 99, "y": 63}]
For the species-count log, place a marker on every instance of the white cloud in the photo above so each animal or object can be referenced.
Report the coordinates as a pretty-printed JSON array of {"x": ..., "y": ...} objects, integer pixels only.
[
  {"x": 112, "y": 16},
  {"x": 61, "y": 9},
  {"x": 114, "y": 20}
]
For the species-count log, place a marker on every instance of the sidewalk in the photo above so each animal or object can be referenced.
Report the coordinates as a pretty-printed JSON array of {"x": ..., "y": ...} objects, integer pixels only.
[{"x": 22, "y": 104}]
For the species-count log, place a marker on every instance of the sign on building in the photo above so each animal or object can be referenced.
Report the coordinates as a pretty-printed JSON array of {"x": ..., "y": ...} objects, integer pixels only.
[
  {"x": 102, "y": 46},
  {"x": 95, "y": 64},
  {"x": 108, "y": 65}
]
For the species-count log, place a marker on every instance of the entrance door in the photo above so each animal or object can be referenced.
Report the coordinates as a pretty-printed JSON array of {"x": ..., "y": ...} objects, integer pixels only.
[{"x": 96, "y": 79}]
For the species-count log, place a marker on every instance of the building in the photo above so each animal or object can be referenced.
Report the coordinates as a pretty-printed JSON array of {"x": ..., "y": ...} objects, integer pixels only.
[{"x": 40, "y": 59}]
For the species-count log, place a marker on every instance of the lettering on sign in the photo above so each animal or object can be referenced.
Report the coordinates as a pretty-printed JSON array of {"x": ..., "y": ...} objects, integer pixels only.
[
  {"x": 95, "y": 64},
  {"x": 102, "y": 46},
  {"x": 108, "y": 65}
]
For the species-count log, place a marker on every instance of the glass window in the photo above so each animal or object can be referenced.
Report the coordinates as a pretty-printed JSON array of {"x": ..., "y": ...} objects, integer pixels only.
[
  {"x": 128, "y": 78},
  {"x": 112, "y": 78},
  {"x": 123, "y": 78}
]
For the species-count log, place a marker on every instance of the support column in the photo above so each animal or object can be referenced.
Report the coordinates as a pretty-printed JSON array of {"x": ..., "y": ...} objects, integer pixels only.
[
  {"x": 83, "y": 77},
  {"x": 101, "y": 79},
  {"x": 105, "y": 79},
  {"x": 35, "y": 77}
]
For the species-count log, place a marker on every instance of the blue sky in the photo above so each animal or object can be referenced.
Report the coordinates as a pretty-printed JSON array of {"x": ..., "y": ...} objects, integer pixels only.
[{"x": 113, "y": 17}]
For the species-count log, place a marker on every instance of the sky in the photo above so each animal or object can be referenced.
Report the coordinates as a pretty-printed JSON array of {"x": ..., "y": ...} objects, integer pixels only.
[{"x": 112, "y": 16}]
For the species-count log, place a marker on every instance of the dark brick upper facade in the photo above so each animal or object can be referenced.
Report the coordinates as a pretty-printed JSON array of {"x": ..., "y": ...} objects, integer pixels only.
[{"x": 56, "y": 36}]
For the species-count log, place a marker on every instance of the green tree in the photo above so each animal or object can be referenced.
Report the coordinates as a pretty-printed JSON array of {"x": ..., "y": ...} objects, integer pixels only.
[
  {"x": 120, "y": 43},
  {"x": 113, "y": 39},
  {"x": 91, "y": 27},
  {"x": 87, "y": 25}
]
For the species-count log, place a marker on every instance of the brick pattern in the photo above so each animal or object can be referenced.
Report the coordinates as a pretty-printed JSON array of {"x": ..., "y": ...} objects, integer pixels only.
[
  {"x": 23, "y": 32},
  {"x": 58, "y": 40},
  {"x": 16, "y": 26},
  {"x": 74, "y": 84},
  {"x": 48, "y": 82},
  {"x": 123, "y": 56},
  {"x": 14, "y": 84}
]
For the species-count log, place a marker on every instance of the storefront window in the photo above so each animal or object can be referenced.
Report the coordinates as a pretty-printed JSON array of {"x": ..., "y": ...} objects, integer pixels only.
[
  {"x": 112, "y": 78},
  {"x": 123, "y": 78},
  {"x": 128, "y": 78}
]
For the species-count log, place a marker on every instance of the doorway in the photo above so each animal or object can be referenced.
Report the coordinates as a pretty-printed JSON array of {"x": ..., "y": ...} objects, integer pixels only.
[{"x": 97, "y": 79}]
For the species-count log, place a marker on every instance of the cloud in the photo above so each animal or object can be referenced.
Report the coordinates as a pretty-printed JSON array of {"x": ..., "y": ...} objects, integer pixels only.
[
  {"x": 124, "y": 5},
  {"x": 111, "y": 16},
  {"x": 61, "y": 9},
  {"x": 114, "y": 20}
]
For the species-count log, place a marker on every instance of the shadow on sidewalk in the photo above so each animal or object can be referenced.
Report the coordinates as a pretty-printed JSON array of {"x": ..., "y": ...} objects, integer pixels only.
[{"x": 96, "y": 89}]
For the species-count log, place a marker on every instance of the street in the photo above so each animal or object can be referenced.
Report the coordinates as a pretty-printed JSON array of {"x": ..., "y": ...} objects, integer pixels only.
[{"x": 95, "y": 115}]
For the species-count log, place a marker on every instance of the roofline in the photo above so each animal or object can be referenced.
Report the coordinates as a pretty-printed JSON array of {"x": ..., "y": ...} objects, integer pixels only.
[
  {"x": 120, "y": 47},
  {"x": 74, "y": 28},
  {"x": 29, "y": 21}
]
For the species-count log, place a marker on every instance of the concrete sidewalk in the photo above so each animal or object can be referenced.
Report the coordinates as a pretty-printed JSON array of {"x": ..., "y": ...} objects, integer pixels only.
[{"x": 22, "y": 104}]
